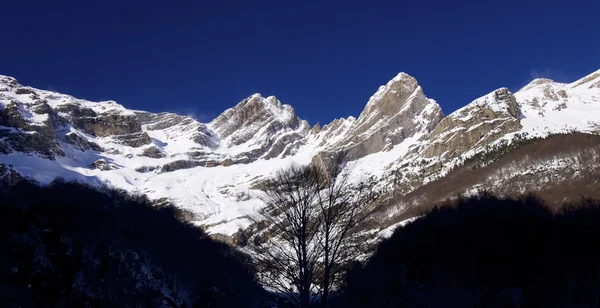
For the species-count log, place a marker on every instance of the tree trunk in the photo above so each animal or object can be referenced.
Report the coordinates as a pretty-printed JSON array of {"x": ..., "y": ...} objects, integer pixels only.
[
  {"x": 327, "y": 272},
  {"x": 304, "y": 298},
  {"x": 305, "y": 274},
  {"x": 325, "y": 295}
]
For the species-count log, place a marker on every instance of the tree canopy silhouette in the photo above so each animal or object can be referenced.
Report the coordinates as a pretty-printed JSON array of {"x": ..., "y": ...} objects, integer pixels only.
[
  {"x": 73, "y": 245},
  {"x": 486, "y": 252},
  {"x": 311, "y": 213}
]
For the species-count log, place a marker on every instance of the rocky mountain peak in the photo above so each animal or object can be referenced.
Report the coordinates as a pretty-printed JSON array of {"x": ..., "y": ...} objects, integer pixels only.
[
  {"x": 504, "y": 97},
  {"x": 398, "y": 110},
  {"x": 537, "y": 82},
  {"x": 390, "y": 98},
  {"x": 255, "y": 115},
  {"x": 258, "y": 103},
  {"x": 316, "y": 128},
  {"x": 339, "y": 122},
  {"x": 338, "y": 129},
  {"x": 9, "y": 81}
]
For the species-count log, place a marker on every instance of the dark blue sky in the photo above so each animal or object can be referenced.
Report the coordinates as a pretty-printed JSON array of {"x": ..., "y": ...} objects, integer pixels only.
[{"x": 325, "y": 58}]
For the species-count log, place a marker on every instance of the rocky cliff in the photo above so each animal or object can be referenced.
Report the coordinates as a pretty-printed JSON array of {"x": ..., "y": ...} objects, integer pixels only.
[{"x": 480, "y": 122}]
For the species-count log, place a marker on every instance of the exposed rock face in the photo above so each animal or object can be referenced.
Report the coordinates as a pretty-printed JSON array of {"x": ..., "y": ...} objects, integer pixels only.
[
  {"x": 562, "y": 93},
  {"x": 11, "y": 116},
  {"x": 126, "y": 128},
  {"x": 162, "y": 120},
  {"x": 81, "y": 142},
  {"x": 178, "y": 164},
  {"x": 205, "y": 137},
  {"x": 27, "y": 132},
  {"x": 9, "y": 82},
  {"x": 24, "y": 91},
  {"x": 255, "y": 113},
  {"x": 560, "y": 107},
  {"x": 397, "y": 111},
  {"x": 285, "y": 146},
  {"x": 480, "y": 122},
  {"x": 36, "y": 121},
  {"x": 324, "y": 161},
  {"x": 177, "y": 126},
  {"x": 315, "y": 129},
  {"x": 260, "y": 124},
  {"x": 101, "y": 164},
  {"x": 550, "y": 94},
  {"x": 134, "y": 140},
  {"x": 144, "y": 169},
  {"x": 76, "y": 111},
  {"x": 108, "y": 125},
  {"x": 153, "y": 152},
  {"x": 29, "y": 143},
  {"x": 336, "y": 130}
]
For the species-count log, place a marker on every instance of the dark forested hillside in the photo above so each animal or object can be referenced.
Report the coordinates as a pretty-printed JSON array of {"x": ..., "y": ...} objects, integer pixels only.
[
  {"x": 486, "y": 252},
  {"x": 72, "y": 245}
]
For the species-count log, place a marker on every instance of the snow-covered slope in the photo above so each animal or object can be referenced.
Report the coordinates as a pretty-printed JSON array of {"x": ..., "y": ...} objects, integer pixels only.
[
  {"x": 214, "y": 169},
  {"x": 548, "y": 106}
]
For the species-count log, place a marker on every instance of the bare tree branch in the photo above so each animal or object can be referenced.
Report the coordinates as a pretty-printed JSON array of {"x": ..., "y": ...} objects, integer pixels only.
[{"x": 311, "y": 213}]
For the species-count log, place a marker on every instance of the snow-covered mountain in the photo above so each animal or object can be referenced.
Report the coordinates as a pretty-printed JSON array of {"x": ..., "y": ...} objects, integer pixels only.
[{"x": 214, "y": 169}]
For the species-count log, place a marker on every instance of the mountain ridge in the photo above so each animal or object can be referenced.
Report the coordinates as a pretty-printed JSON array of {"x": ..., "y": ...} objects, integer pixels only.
[{"x": 215, "y": 169}]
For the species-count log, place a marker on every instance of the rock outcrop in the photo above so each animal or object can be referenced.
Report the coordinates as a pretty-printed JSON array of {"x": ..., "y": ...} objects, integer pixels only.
[
  {"x": 179, "y": 126},
  {"x": 81, "y": 143},
  {"x": 153, "y": 152},
  {"x": 479, "y": 123},
  {"x": 178, "y": 165},
  {"x": 108, "y": 124},
  {"x": 29, "y": 131},
  {"x": 134, "y": 140},
  {"x": 101, "y": 164}
]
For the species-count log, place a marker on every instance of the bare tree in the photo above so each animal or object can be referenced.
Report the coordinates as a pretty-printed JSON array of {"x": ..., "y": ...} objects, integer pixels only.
[
  {"x": 287, "y": 261},
  {"x": 341, "y": 207},
  {"x": 311, "y": 212}
]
